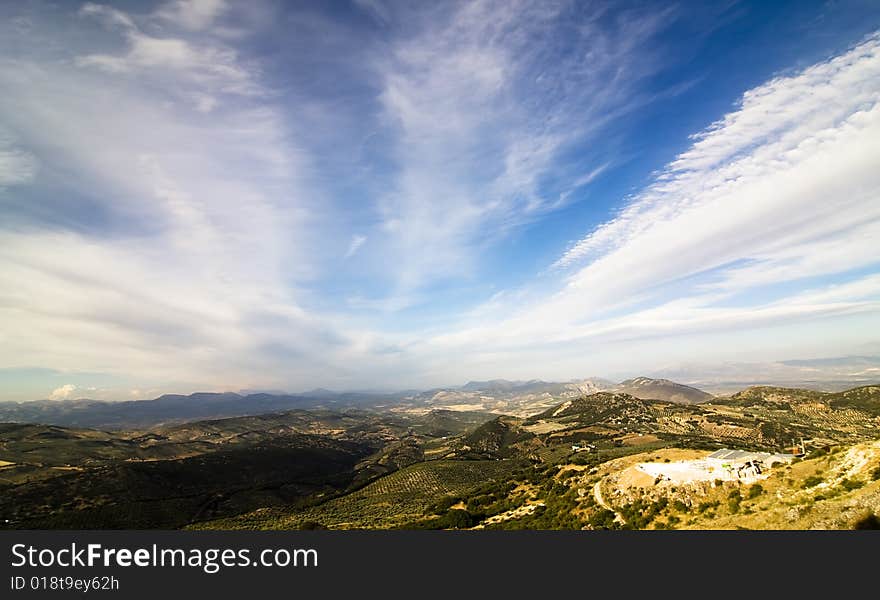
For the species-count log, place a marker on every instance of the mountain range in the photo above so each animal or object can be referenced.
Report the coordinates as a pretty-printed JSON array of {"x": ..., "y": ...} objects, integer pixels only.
[{"x": 500, "y": 396}]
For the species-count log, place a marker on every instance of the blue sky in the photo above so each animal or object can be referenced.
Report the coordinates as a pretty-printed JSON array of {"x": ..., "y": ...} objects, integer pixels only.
[{"x": 200, "y": 194}]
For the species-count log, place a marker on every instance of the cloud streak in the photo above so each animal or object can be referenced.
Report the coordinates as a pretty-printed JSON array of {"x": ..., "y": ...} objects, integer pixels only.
[
  {"x": 356, "y": 242},
  {"x": 783, "y": 189},
  {"x": 482, "y": 102}
]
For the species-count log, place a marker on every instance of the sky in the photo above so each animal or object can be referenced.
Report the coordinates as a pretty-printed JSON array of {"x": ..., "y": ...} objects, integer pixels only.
[{"x": 205, "y": 195}]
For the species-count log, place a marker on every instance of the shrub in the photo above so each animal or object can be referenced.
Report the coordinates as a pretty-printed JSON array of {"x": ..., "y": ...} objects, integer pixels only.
[
  {"x": 851, "y": 484},
  {"x": 755, "y": 491},
  {"x": 444, "y": 503},
  {"x": 812, "y": 481},
  {"x": 604, "y": 519},
  {"x": 875, "y": 474},
  {"x": 704, "y": 506},
  {"x": 559, "y": 489},
  {"x": 816, "y": 452},
  {"x": 733, "y": 505}
]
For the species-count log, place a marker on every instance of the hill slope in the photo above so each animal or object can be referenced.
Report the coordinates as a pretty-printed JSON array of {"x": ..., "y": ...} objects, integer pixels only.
[{"x": 662, "y": 389}]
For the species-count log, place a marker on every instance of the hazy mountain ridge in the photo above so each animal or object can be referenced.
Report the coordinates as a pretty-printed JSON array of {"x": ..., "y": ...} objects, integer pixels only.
[
  {"x": 501, "y": 397},
  {"x": 169, "y": 408},
  {"x": 647, "y": 388}
]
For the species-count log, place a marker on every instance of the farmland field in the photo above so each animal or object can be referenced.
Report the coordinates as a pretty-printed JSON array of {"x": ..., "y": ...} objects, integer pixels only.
[{"x": 385, "y": 503}]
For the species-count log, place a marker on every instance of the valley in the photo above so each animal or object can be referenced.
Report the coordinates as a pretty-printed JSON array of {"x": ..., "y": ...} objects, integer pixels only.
[{"x": 436, "y": 461}]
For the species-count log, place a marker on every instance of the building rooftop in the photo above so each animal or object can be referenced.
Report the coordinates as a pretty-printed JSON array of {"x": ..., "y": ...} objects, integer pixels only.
[{"x": 745, "y": 455}]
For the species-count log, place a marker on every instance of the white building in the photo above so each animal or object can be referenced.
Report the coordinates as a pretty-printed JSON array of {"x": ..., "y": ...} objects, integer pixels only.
[{"x": 724, "y": 465}]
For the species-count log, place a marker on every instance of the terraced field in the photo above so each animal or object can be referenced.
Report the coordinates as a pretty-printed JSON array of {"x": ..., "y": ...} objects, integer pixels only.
[{"x": 385, "y": 503}]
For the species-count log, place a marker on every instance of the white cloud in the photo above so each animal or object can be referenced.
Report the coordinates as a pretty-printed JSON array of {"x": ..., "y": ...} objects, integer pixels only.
[
  {"x": 778, "y": 126},
  {"x": 482, "y": 100},
  {"x": 784, "y": 189},
  {"x": 356, "y": 242},
  {"x": 205, "y": 103},
  {"x": 62, "y": 393},
  {"x": 110, "y": 16},
  {"x": 193, "y": 14},
  {"x": 16, "y": 166},
  {"x": 202, "y": 69},
  {"x": 800, "y": 202},
  {"x": 189, "y": 239},
  {"x": 203, "y": 239}
]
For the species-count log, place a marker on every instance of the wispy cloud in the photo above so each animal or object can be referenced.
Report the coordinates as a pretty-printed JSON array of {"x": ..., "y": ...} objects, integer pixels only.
[
  {"x": 483, "y": 100},
  {"x": 16, "y": 165},
  {"x": 778, "y": 126},
  {"x": 782, "y": 189},
  {"x": 356, "y": 242},
  {"x": 186, "y": 198},
  {"x": 178, "y": 244},
  {"x": 200, "y": 66}
]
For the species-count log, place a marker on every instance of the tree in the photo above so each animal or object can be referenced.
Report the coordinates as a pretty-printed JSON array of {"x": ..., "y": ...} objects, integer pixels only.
[{"x": 456, "y": 519}]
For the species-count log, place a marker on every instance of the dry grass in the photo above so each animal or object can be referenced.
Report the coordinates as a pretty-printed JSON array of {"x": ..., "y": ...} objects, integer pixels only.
[{"x": 793, "y": 499}]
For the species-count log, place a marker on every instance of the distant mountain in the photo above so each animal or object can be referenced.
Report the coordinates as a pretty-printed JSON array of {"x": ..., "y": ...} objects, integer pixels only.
[
  {"x": 535, "y": 386},
  {"x": 830, "y": 374},
  {"x": 498, "y": 396},
  {"x": 599, "y": 407},
  {"x": 502, "y": 385},
  {"x": 770, "y": 394},
  {"x": 171, "y": 408},
  {"x": 865, "y": 398},
  {"x": 501, "y": 396},
  {"x": 662, "y": 389},
  {"x": 845, "y": 361}
]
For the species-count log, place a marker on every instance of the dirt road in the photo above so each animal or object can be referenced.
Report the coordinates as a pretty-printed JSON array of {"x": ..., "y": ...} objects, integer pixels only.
[{"x": 597, "y": 494}]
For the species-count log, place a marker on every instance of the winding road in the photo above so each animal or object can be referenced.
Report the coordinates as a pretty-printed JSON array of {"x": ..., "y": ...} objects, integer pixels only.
[{"x": 597, "y": 494}]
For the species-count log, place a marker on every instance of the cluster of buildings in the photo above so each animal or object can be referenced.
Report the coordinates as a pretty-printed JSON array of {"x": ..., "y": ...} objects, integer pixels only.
[{"x": 725, "y": 464}]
